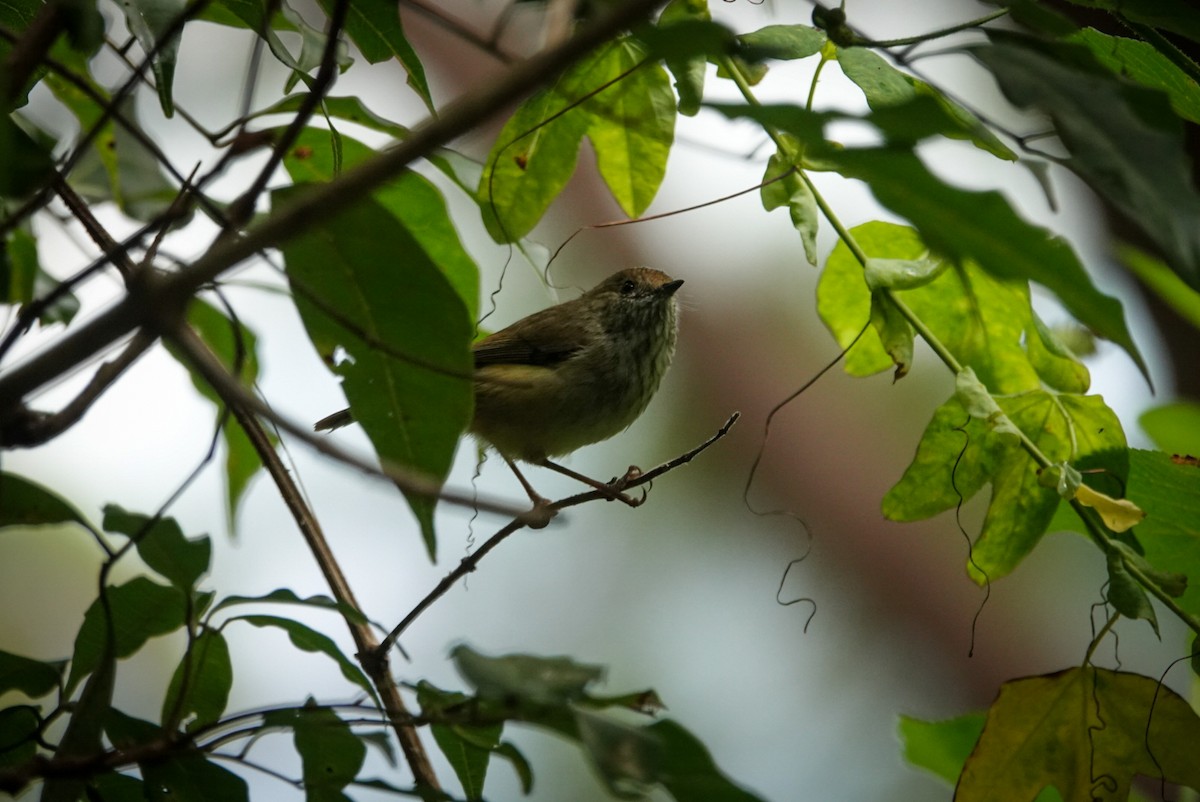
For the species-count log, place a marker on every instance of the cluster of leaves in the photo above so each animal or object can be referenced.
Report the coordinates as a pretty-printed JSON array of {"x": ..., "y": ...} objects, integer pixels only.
[
  {"x": 959, "y": 276},
  {"x": 181, "y": 755}
]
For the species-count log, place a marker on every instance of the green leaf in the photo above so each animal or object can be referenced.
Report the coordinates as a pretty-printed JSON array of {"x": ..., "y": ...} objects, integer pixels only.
[
  {"x": 209, "y": 675},
  {"x": 149, "y": 21},
  {"x": 1065, "y": 729},
  {"x": 791, "y": 191},
  {"x": 631, "y": 124},
  {"x": 348, "y": 108},
  {"x": 979, "y": 318},
  {"x": 312, "y": 49},
  {"x": 1123, "y": 139},
  {"x": 26, "y": 503},
  {"x": 375, "y": 27},
  {"x": 674, "y": 43},
  {"x": 894, "y": 331},
  {"x": 162, "y": 545},
  {"x": 1164, "y": 282},
  {"x": 628, "y": 758},
  {"x": 1126, "y": 595},
  {"x": 330, "y": 753},
  {"x": 539, "y": 680},
  {"x": 527, "y": 168},
  {"x": 1071, "y": 428},
  {"x": 19, "y": 728},
  {"x": 940, "y": 747},
  {"x": 468, "y": 748},
  {"x": 82, "y": 736},
  {"x": 307, "y": 639},
  {"x": 411, "y": 198},
  {"x": 1141, "y": 62},
  {"x": 236, "y": 346},
  {"x": 287, "y": 596},
  {"x": 365, "y": 285},
  {"x": 629, "y": 115},
  {"x": 982, "y": 227},
  {"x": 886, "y": 87},
  {"x": 141, "y": 610},
  {"x": 1168, "y": 490},
  {"x": 784, "y": 42},
  {"x": 687, "y": 770},
  {"x": 1053, "y": 360},
  {"x": 1174, "y": 428},
  {"x": 22, "y": 278},
  {"x": 34, "y": 678}
]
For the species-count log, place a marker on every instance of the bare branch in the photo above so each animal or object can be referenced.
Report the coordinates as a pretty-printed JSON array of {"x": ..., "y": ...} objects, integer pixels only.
[
  {"x": 471, "y": 561},
  {"x": 237, "y": 396}
]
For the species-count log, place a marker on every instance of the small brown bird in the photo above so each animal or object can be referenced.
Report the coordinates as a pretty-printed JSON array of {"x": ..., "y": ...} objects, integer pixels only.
[{"x": 573, "y": 374}]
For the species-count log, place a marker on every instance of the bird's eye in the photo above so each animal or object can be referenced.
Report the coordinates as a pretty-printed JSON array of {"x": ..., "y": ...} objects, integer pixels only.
[{"x": 628, "y": 286}]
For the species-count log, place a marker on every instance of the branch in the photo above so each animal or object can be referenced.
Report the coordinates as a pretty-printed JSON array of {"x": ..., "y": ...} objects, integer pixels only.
[
  {"x": 207, "y": 364},
  {"x": 171, "y": 293},
  {"x": 471, "y": 561},
  {"x": 27, "y": 428},
  {"x": 200, "y": 358}
]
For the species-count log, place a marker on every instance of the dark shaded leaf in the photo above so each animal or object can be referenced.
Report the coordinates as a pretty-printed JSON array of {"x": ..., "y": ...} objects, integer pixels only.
[
  {"x": 308, "y": 639},
  {"x": 141, "y": 610},
  {"x": 19, "y": 727},
  {"x": 191, "y": 778},
  {"x": 375, "y": 27},
  {"x": 886, "y": 87},
  {"x": 1178, "y": 16},
  {"x": 330, "y": 753},
  {"x": 674, "y": 41},
  {"x": 540, "y": 680},
  {"x": 209, "y": 675},
  {"x": 34, "y": 678},
  {"x": 287, "y": 596},
  {"x": 1141, "y": 62},
  {"x": 791, "y": 191},
  {"x": 162, "y": 546},
  {"x": 467, "y": 748},
  {"x": 783, "y": 42},
  {"x": 26, "y": 165},
  {"x": 1174, "y": 428},
  {"x": 1064, "y": 729},
  {"x": 26, "y": 503},
  {"x": 1126, "y": 595},
  {"x": 1124, "y": 140},
  {"x": 149, "y": 21},
  {"x": 687, "y": 770}
]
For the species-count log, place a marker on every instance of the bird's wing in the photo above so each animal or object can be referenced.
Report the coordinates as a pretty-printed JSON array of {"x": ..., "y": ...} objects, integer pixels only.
[{"x": 529, "y": 342}]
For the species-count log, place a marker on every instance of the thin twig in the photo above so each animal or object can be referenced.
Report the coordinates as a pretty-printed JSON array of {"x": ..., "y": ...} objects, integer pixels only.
[
  {"x": 29, "y": 428},
  {"x": 471, "y": 561},
  {"x": 207, "y": 365}
]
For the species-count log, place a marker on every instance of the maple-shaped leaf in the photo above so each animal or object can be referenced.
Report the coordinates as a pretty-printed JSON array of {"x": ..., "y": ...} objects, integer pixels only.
[
  {"x": 1085, "y": 731},
  {"x": 962, "y": 449}
]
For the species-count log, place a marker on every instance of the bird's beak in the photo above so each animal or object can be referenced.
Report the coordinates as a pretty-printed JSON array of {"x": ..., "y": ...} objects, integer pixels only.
[{"x": 670, "y": 287}]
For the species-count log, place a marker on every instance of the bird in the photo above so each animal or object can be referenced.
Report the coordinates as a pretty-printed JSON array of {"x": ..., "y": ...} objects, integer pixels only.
[{"x": 572, "y": 374}]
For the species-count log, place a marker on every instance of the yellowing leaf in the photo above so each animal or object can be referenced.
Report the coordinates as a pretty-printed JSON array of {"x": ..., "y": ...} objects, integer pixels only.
[
  {"x": 1084, "y": 731},
  {"x": 1119, "y": 514}
]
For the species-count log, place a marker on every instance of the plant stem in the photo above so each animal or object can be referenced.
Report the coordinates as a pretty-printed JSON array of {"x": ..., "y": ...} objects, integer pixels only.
[{"x": 944, "y": 354}]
